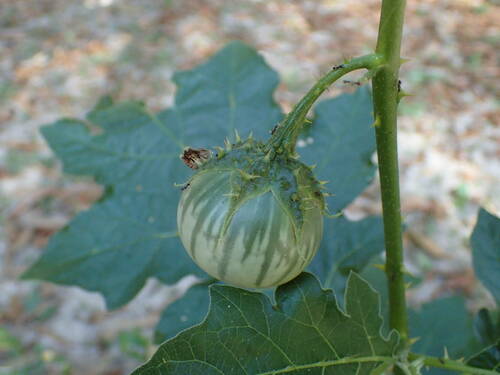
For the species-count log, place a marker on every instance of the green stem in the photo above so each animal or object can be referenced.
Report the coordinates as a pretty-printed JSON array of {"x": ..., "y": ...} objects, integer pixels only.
[
  {"x": 450, "y": 364},
  {"x": 385, "y": 100},
  {"x": 285, "y": 135}
]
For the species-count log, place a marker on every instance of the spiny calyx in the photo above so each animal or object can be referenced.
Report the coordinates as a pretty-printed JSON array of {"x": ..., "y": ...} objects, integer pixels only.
[{"x": 291, "y": 181}]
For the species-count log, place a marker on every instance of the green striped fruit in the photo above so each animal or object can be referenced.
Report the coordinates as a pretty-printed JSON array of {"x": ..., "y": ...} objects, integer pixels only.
[{"x": 250, "y": 221}]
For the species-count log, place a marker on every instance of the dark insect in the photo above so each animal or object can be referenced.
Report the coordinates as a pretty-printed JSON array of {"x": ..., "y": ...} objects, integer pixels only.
[
  {"x": 337, "y": 67},
  {"x": 353, "y": 83},
  {"x": 194, "y": 157},
  {"x": 185, "y": 186},
  {"x": 399, "y": 85},
  {"x": 274, "y": 129}
]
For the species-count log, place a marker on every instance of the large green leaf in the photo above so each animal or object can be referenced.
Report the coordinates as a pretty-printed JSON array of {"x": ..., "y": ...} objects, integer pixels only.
[
  {"x": 485, "y": 241},
  {"x": 131, "y": 233},
  {"x": 488, "y": 358},
  {"x": 183, "y": 313},
  {"x": 346, "y": 246},
  {"x": 443, "y": 324},
  {"x": 378, "y": 280},
  {"x": 487, "y": 330},
  {"x": 305, "y": 333},
  {"x": 341, "y": 142},
  {"x": 487, "y": 326}
]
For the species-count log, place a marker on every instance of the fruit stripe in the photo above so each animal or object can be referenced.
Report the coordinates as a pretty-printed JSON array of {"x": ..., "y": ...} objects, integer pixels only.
[
  {"x": 254, "y": 239},
  {"x": 262, "y": 239},
  {"x": 206, "y": 192},
  {"x": 305, "y": 253},
  {"x": 207, "y": 217},
  {"x": 232, "y": 237},
  {"x": 274, "y": 233},
  {"x": 259, "y": 246},
  {"x": 200, "y": 191}
]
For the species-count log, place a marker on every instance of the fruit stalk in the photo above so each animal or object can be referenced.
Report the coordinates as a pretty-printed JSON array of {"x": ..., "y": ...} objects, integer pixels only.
[
  {"x": 285, "y": 135},
  {"x": 385, "y": 100}
]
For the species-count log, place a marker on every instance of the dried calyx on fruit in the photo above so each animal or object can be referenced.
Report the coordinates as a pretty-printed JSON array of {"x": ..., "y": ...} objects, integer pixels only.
[{"x": 250, "y": 216}]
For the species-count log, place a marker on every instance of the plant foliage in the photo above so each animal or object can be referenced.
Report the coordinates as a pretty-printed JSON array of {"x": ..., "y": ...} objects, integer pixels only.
[
  {"x": 485, "y": 241},
  {"x": 304, "y": 333},
  {"x": 130, "y": 235}
]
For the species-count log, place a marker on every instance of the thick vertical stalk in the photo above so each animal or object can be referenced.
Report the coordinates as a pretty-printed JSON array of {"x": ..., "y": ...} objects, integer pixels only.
[{"x": 385, "y": 98}]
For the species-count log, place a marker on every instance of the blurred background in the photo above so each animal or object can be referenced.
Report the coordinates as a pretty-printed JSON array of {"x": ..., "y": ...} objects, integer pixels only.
[{"x": 58, "y": 56}]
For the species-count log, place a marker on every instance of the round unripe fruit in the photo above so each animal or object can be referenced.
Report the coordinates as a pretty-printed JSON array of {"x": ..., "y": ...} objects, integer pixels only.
[{"x": 251, "y": 221}]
